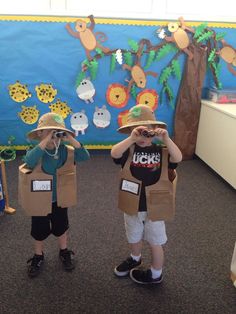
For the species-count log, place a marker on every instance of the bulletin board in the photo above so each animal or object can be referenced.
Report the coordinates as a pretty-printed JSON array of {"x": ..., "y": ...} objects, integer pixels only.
[{"x": 42, "y": 65}]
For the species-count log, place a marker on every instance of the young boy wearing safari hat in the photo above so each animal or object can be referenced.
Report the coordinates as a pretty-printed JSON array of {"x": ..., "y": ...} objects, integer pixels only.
[
  {"x": 146, "y": 190},
  {"x": 47, "y": 186}
]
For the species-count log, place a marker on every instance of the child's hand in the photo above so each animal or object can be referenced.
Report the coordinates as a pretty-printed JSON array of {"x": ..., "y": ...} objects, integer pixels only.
[
  {"x": 72, "y": 140},
  {"x": 136, "y": 133},
  {"x": 46, "y": 136},
  {"x": 68, "y": 137},
  {"x": 162, "y": 134}
]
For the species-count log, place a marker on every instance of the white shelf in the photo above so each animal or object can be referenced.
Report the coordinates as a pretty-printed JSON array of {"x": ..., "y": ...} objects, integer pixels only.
[{"x": 216, "y": 139}]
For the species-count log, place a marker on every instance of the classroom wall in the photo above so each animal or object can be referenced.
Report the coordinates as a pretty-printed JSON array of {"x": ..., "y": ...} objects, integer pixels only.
[{"x": 38, "y": 50}]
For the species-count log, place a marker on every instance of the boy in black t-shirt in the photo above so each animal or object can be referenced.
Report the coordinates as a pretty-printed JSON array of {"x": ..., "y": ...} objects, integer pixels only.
[{"x": 144, "y": 165}]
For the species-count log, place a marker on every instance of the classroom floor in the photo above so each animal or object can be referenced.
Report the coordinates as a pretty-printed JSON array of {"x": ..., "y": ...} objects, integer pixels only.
[{"x": 197, "y": 255}]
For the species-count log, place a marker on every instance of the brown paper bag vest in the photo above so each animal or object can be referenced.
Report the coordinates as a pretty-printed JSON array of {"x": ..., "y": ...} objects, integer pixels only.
[{"x": 160, "y": 196}]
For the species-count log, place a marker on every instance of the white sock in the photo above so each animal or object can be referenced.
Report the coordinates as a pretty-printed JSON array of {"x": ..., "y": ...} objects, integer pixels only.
[
  {"x": 136, "y": 258},
  {"x": 156, "y": 272}
]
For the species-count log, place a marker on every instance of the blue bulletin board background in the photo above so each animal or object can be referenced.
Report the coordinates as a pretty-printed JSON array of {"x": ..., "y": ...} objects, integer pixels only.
[{"x": 36, "y": 50}]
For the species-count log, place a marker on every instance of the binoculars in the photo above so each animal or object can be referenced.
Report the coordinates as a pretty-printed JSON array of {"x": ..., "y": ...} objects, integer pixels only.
[
  {"x": 59, "y": 134},
  {"x": 148, "y": 133}
]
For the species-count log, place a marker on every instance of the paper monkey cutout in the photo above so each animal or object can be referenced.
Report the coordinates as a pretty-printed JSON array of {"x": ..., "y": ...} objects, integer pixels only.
[
  {"x": 101, "y": 117},
  {"x": 228, "y": 54},
  {"x": 180, "y": 36},
  {"x": 87, "y": 37},
  {"x": 86, "y": 91},
  {"x": 138, "y": 76},
  {"x": 79, "y": 122}
]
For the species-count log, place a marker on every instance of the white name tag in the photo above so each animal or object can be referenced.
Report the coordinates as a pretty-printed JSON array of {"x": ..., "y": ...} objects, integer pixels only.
[
  {"x": 41, "y": 185},
  {"x": 130, "y": 186}
]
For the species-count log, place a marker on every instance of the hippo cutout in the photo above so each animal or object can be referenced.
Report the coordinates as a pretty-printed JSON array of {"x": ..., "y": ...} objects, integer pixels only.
[
  {"x": 86, "y": 91},
  {"x": 79, "y": 122},
  {"x": 101, "y": 117}
]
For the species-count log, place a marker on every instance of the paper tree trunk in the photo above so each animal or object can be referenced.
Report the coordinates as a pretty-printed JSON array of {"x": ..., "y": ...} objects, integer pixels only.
[{"x": 189, "y": 103}]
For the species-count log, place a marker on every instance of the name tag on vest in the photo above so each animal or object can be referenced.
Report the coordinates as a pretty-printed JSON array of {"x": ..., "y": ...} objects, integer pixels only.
[
  {"x": 41, "y": 185},
  {"x": 130, "y": 186}
]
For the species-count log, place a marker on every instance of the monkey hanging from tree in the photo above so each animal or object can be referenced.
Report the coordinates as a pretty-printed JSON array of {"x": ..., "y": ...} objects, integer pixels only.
[
  {"x": 228, "y": 54},
  {"x": 87, "y": 37},
  {"x": 180, "y": 36},
  {"x": 138, "y": 76}
]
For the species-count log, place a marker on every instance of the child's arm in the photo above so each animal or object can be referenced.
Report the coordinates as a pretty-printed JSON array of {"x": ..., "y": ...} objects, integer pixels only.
[
  {"x": 174, "y": 151},
  {"x": 33, "y": 156},
  {"x": 118, "y": 149},
  {"x": 81, "y": 153}
]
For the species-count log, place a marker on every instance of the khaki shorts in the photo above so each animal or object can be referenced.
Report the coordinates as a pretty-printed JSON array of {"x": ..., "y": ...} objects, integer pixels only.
[{"x": 139, "y": 227}]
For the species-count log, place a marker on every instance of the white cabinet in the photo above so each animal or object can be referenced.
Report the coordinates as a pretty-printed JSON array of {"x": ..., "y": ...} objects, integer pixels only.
[{"x": 216, "y": 139}]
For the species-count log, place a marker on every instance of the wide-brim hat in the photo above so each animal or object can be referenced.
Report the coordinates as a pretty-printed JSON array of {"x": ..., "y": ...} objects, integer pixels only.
[
  {"x": 140, "y": 115},
  {"x": 49, "y": 121}
]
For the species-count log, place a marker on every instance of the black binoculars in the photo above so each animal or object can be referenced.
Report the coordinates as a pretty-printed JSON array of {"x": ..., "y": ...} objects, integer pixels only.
[
  {"x": 59, "y": 134},
  {"x": 148, "y": 133}
]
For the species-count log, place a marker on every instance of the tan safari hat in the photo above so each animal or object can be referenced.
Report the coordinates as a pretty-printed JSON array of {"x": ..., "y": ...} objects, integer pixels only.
[
  {"x": 49, "y": 121},
  {"x": 140, "y": 115}
]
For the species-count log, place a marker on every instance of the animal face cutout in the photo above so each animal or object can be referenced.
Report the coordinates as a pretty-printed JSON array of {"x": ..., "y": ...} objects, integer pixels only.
[
  {"x": 79, "y": 122},
  {"x": 101, "y": 117},
  {"x": 173, "y": 27},
  {"x": 148, "y": 97},
  {"x": 117, "y": 95},
  {"x": 60, "y": 108},
  {"x": 86, "y": 91},
  {"x": 45, "y": 93},
  {"x": 29, "y": 115},
  {"x": 80, "y": 26},
  {"x": 19, "y": 92}
]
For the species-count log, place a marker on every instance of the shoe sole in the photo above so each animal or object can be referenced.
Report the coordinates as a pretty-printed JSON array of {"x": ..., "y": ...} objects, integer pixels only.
[
  {"x": 121, "y": 273},
  {"x": 145, "y": 283},
  {"x": 124, "y": 273}
]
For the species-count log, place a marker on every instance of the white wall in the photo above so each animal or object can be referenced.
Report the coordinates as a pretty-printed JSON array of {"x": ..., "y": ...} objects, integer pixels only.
[{"x": 199, "y": 10}]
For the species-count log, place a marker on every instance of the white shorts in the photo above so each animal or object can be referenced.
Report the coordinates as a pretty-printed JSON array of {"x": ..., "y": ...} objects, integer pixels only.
[{"x": 139, "y": 227}]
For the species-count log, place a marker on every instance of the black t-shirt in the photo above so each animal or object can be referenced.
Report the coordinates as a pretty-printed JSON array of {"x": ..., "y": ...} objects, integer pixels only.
[{"x": 145, "y": 166}]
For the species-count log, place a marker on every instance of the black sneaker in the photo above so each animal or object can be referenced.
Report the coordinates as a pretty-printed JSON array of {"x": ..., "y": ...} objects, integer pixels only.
[
  {"x": 144, "y": 276},
  {"x": 65, "y": 257},
  {"x": 125, "y": 267},
  {"x": 36, "y": 265}
]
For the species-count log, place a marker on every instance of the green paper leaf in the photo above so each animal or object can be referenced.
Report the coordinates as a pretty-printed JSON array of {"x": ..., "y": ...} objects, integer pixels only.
[
  {"x": 113, "y": 63},
  {"x": 165, "y": 74},
  {"x": 93, "y": 69},
  {"x": 169, "y": 94},
  {"x": 133, "y": 92},
  {"x": 176, "y": 69},
  {"x": 220, "y": 36},
  {"x": 164, "y": 50},
  {"x": 205, "y": 36},
  {"x": 151, "y": 57},
  {"x": 199, "y": 30},
  {"x": 128, "y": 58},
  {"x": 99, "y": 51},
  {"x": 133, "y": 45},
  {"x": 80, "y": 78},
  {"x": 86, "y": 62}
]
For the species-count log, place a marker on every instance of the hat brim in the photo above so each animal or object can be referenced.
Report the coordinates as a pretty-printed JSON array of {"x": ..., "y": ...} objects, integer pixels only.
[
  {"x": 126, "y": 129},
  {"x": 32, "y": 135}
]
